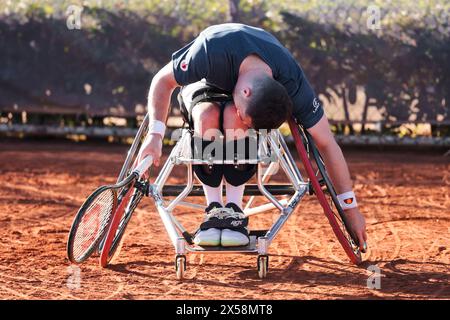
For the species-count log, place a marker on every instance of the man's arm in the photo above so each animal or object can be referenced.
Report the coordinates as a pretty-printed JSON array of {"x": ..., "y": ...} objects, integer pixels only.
[
  {"x": 161, "y": 89},
  {"x": 159, "y": 95},
  {"x": 339, "y": 174}
]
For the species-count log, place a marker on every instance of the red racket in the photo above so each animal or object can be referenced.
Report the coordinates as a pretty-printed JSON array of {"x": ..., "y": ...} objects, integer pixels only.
[{"x": 96, "y": 214}]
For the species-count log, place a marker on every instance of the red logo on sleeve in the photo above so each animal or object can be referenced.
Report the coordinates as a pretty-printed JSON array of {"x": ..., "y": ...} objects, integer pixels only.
[
  {"x": 184, "y": 65},
  {"x": 348, "y": 201}
]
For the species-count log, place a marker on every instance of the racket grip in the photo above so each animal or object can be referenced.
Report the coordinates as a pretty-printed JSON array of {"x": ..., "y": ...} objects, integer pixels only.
[{"x": 143, "y": 165}]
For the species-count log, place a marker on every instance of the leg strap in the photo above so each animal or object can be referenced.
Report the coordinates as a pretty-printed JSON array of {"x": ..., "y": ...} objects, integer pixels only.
[
  {"x": 211, "y": 175},
  {"x": 241, "y": 149}
]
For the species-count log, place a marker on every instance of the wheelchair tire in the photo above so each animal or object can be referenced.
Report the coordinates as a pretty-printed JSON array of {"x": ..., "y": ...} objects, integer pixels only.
[
  {"x": 331, "y": 207},
  {"x": 118, "y": 238},
  {"x": 109, "y": 244},
  {"x": 124, "y": 201}
]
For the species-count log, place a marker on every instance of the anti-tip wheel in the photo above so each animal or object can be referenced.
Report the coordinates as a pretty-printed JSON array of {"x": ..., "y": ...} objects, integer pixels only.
[
  {"x": 180, "y": 266},
  {"x": 263, "y": 266}
]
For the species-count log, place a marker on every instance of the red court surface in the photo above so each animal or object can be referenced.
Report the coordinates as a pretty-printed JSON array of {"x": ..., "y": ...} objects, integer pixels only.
[{"x": 405, "y": 196}]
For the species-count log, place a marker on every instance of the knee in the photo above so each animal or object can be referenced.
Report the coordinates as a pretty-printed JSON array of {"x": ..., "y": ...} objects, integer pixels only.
[
  {"x": 206, "y": 118},
  {"x": 232, "y": 123}
]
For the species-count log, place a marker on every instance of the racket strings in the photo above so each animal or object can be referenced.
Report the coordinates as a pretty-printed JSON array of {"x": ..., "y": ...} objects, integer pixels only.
[{"x": 94, "y": 222}]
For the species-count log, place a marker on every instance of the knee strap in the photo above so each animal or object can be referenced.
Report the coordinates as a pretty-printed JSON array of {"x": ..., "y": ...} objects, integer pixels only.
[
  {"x": 237, "y": 175},
  {"x": 211, "y": 175}
]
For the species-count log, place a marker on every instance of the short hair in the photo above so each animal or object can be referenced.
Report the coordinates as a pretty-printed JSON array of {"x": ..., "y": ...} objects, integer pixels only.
[{"x": 269, "y": 105}]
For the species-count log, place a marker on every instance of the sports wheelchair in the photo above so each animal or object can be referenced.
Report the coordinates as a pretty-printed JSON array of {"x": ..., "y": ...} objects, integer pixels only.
[{"x": 273, "y": 153}]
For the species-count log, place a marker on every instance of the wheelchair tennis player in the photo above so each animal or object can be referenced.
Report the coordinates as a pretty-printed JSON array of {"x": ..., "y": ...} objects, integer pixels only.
[{"x": 234, "y": 78}]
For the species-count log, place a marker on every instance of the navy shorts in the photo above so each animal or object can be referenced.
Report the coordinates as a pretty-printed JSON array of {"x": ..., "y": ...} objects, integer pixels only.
[{"x": 198, "y": 92}]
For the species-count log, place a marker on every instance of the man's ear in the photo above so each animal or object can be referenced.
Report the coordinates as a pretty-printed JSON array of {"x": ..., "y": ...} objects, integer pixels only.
[{"x": 247, "y": 92}]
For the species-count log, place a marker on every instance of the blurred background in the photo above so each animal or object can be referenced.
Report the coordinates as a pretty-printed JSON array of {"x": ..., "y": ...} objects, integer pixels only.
[{"x": 81, "y": 69}]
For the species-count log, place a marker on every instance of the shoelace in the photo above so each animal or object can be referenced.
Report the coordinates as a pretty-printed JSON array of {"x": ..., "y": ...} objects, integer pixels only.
[{"x": 224, "y": 213}]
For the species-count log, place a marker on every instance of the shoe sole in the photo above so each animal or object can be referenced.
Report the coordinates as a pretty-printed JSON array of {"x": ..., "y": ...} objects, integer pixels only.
[{"x": 233, "y": 244}]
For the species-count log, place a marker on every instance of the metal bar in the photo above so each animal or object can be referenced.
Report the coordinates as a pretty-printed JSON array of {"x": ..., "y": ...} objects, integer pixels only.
[
  {"x": 250, "y": 189},
  {"x": 168, "y": 224},
  {"x": 265, "y": 192},
  {"x": 265, "y": 179},
  {"x": 287, "y": 212},
  {"x": 192, "y": 205},
  {"x": 210, "y": 162},
  {"x": 289, "y": 173},
  {"x": 262, "y": 208},
  {"x": 133, "y": 149},
  {"x": 186, "y": 191},
  {"x": 291, "y": 160},
  {"x": 166, "y": 170}
]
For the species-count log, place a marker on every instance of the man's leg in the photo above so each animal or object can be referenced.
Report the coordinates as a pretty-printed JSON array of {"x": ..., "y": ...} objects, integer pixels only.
[
  {"x": 236, "y": 137},
  {"x": 235, "y": 133},
  {"x": 206, "y": 117}
]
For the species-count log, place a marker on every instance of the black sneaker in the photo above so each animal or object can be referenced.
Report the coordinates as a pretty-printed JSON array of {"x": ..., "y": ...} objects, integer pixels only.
[
  {"x": 236, "y": 234},
  {"x": 208, "y": 235}
]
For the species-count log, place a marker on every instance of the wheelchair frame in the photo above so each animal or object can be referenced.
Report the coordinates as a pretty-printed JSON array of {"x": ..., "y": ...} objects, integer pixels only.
[{"x": 272, "y": 152}]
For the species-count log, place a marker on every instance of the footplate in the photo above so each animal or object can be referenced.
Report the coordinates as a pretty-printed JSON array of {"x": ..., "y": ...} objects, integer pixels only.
[{"x": 250, "y": 248}]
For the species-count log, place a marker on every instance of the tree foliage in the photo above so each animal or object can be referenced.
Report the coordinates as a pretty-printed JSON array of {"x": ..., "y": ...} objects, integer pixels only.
[{"x": 403, "y": 68}]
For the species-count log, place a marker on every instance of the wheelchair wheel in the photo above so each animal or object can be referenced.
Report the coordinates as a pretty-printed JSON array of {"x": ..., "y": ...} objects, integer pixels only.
[
  {"x": 128, "y": 200},
  {"x": 88, "y": 228},
  {"x": 324, "y": 190},
  {"x": 118, "y": 237},
  {"x": 263, "y": 266},
  {"x": 132, "y": 154},
  {"x": 126, "y": 169},
  {"x": 180, "y": 266}
]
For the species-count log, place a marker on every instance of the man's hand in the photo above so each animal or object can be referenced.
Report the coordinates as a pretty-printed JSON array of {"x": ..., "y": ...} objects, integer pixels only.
[
  {"x": 152, "y": 146},
  {"x": 163, "y": 84},
  {"x": 357, "y": 225}
]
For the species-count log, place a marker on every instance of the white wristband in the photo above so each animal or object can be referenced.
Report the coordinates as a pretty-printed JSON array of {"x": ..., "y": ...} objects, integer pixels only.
[
  {"x": 347, "y": 200},
  {"x": 157, "y": 127}
]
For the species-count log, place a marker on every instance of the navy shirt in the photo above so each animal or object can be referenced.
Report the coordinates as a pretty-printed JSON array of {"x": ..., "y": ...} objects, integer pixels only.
[{"x": 216, "y": 55}]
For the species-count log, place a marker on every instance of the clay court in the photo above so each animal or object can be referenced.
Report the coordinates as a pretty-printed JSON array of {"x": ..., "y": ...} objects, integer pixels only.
[{"x": 405, "y": 196}]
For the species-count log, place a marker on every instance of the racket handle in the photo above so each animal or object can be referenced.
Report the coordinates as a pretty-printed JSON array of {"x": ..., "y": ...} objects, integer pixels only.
[{"x": 143, "y": 165}]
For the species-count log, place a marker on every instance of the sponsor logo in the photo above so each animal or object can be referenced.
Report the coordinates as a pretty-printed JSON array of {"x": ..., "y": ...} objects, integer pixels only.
[
  {"x": 348, "y": 201},
  {"x": 316, "y": 105},
  {"x": 184, "y": 65},
  {"x": 236, "y": 223}
]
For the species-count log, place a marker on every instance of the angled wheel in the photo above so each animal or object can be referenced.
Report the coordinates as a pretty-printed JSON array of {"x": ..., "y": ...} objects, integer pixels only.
[
  {"x": 127, "y": 203},
  {"x": 324, "y": 190},
  {"x": 118, "y": 239},
  {"x": 180, "y": 266},
  {"x": 263, "y": 266},
  {"x": 331, "y": 195},
  {"x": 117, "y": 216},
  {"x": 128, "y": 199},
  {"x": 90, "y": 224}
]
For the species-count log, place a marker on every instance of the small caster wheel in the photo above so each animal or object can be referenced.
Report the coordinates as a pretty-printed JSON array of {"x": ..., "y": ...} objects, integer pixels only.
[
  {"x": 263, "y": 266},
  {"x": 180, "y": 266}
]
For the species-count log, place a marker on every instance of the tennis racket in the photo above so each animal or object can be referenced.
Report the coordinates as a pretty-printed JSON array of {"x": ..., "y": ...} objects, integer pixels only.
[{"x": 94, "y": 217}]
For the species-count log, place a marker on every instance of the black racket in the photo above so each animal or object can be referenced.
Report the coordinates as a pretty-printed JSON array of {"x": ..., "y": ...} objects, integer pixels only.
[{"x": 94, "y": 216}]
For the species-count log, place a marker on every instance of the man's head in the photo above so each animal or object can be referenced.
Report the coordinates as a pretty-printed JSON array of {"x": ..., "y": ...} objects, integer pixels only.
[{"x": 261, "y": 101}]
